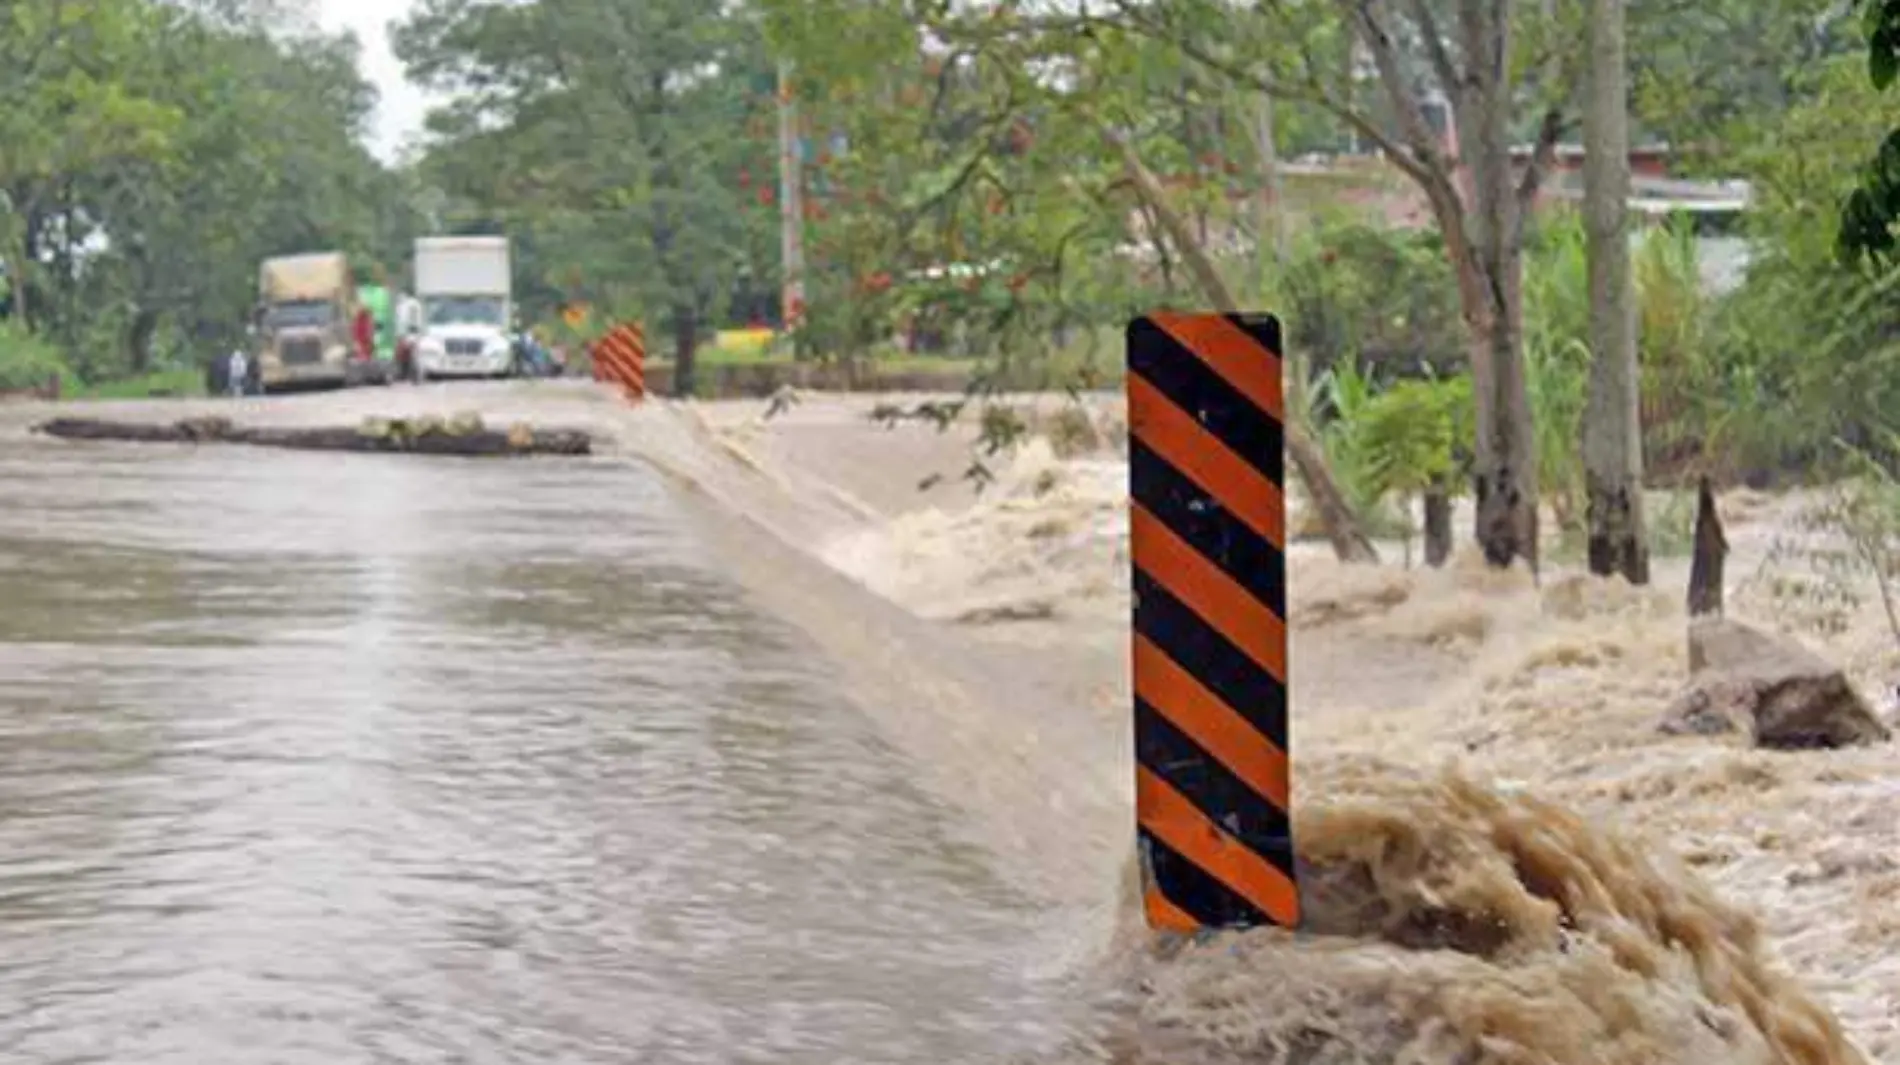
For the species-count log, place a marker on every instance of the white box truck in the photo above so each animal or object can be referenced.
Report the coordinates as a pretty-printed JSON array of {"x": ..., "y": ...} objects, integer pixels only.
[{"x": 464, "y": 285}]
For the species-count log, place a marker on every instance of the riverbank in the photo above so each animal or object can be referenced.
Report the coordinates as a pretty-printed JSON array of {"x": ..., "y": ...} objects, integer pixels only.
[{"x": 1456, "y": 712}]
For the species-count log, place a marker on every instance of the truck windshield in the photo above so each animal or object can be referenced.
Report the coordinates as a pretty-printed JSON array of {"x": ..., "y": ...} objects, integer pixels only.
[
  {"x": 299, "y": 314},
  {"x": 464, "y": 310}
]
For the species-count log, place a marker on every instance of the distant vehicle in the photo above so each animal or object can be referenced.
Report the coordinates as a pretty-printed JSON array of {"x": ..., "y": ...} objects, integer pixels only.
[
  {"x": 306, "y": 304},
  {"x": 533, "y": 359},
  {"x": 466, "y": 290},
  {"x": 380, "y": 303}
]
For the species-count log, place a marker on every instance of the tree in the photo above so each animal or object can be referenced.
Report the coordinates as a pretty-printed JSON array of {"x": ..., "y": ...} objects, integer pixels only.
[
  {"x": 607, "y": 130},
  {"x": 276, "y": 168},
  {"x": 1478, "y": 194},
  {"x": 1414, "y": 437},
  {"x": 1707, "y": 76},
  {"x": 156, "y": 151},
  {"x": 1038, "y": 147},
  {"x": 1868, "y": 216},
  {"x": 1612, "y": 430},
  {"x": 1478, "y": 197},
  {"x": 1809, "y": 357},
  {"x": 65, "y": 109}
]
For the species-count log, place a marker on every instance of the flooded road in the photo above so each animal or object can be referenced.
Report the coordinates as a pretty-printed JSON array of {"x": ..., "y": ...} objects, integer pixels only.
[{"x": 328, "y": 759}]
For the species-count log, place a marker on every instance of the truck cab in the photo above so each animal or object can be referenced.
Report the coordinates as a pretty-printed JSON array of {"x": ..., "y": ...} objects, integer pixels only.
[
  {"x": 465, "y": 290},
  {"x": 303, "y": 321}
]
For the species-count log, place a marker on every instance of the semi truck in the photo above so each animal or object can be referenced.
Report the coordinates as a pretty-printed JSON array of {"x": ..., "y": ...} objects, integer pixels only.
[
  {"x": 465, "y": 288},
  {"x": 380, "y": 302},
  {"x": 305, "y": 308}
]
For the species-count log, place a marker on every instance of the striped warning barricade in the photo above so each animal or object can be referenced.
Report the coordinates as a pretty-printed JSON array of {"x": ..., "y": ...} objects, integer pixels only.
[
  {"x": 620, "y": 358},
  {"x": 1207, "y": 545}
]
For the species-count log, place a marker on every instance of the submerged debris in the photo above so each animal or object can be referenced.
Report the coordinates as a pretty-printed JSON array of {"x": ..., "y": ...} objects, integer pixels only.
[{"x": 464, "y": 434}]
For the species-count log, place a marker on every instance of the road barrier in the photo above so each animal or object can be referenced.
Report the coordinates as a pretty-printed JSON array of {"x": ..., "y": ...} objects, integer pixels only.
[
  {"x": 1206, "y": 411},
  {"x": 620, "y": 357}
]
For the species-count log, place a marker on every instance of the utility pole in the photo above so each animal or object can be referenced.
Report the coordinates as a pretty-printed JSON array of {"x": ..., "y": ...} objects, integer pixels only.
[{"x": 791, "y": 203}]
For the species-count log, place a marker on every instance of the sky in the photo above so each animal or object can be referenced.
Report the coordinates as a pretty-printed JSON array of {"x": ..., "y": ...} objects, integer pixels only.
[{"x": 399, "y": 113}]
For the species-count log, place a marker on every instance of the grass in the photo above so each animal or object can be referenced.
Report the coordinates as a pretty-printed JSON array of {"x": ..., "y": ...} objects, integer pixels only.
[
  {"x": 1088, "y": 361},
  {"x": 1669, "y": 518},
  {"x": 160, "y": 383},
  {"x": 716, "y": 357}
]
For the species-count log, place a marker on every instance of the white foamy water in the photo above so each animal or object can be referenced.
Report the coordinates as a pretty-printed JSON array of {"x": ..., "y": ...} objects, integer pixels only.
[{"x": 1478, "y": 768}]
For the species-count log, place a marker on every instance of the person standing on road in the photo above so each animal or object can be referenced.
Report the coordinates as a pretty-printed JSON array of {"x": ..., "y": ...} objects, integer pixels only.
[
  {"x": 365, "y": 333},
  {"x": 237, "y": 373}
]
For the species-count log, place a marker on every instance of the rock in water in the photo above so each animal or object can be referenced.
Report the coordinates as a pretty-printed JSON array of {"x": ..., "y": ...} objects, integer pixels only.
[
  {"x": 1791, "y": 698},
  {"x": 1706, "y": 710},
  {"x": 205, "y": 429}
]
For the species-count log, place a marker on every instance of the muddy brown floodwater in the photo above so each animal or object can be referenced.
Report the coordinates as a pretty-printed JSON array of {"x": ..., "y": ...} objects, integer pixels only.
[{"x": 321, "y": 759}]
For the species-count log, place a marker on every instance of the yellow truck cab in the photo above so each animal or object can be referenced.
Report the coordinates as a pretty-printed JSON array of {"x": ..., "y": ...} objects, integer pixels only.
[{"x": 306, "y": 308}]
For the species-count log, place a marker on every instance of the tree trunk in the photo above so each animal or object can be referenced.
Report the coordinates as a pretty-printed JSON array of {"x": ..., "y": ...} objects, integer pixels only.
[
  {"x": 1612, "y": 431},
  {"x": 1711, "y": 550},
  {"x": 1270, "y": 232},
  {"x": 1505, "y": 468},
  {"x": 1479, "y": 203},
  {"x": 685, "y": 351},
  {"x": 138, "y": 340},
  {"x": 1343, "y": 530},
  {"x": 1437, "y": 527},
  {"x": 1493, "y": 292}
]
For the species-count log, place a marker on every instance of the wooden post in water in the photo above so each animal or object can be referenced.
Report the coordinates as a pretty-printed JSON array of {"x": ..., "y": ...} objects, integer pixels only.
[{"x": 1711, "y": 549}]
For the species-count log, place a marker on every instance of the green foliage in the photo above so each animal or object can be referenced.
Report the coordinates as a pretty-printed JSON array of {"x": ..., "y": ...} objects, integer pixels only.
[
  {"x": 614, "y": 141},
  {"x": 26, "y": 362},
  {"x": 158, "y": 384},
  {"x": 1342, "y": 402},
  {"x": 1673, "y": 318},
  {"x": 1866, "y": 230},
  {"x": 1807, "y": 353},
  {"x": 1381, "y": 297},
  {"x": 1415, "y": 436},
  {"x": 155, "y": 152},
  {"x": 1710, "y": 75},
  {"x": 1557, "y": 360},
  {"x": 991, "y": 147}
]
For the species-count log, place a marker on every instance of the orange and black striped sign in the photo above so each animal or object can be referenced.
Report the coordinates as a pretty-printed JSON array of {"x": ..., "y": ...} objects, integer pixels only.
[
  {"x": 621, "y": 357},
  {"x": 1207, "y": 542}
]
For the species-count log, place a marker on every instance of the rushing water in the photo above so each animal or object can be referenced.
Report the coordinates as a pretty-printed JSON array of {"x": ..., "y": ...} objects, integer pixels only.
[{"x": 318, "y": 759}]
